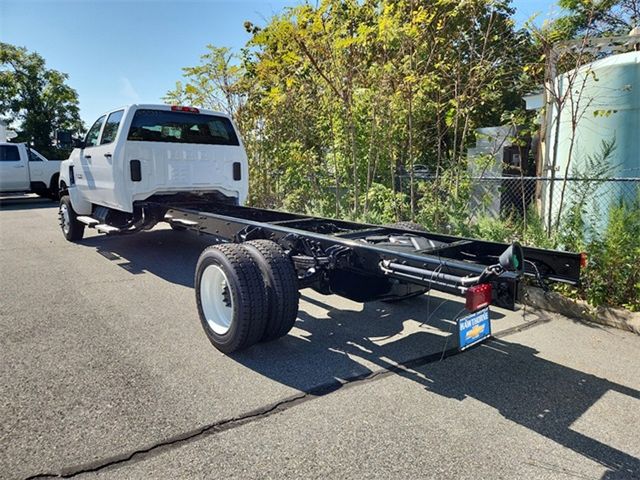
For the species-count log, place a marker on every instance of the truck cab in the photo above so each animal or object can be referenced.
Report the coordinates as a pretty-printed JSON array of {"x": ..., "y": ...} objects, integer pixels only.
[
  {"x": 133, "y": 153},
  {"x": 23, "y": 169}
]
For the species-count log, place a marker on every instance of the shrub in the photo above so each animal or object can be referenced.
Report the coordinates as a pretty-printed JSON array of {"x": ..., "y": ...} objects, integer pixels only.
[{"x": 612, "y": 276}]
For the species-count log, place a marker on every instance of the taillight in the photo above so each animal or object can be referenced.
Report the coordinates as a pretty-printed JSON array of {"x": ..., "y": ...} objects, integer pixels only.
[
  {"x": 478, "y": 296},
  {"x": 583, "y": 259},
  {"x": 176, "y": 108}
]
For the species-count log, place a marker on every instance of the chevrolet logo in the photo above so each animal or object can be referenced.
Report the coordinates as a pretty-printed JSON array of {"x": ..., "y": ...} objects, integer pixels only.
[{"x": 474, "y": 332}]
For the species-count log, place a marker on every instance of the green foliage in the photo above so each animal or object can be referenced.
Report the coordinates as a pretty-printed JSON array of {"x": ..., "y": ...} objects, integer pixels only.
[
  {"x": 37, "y": 98},
  {"x": 385, "y": 205},
  {"x": 444, "y": 203},
  {"x": 597, "y": 17},
  {"x": 338, "y": 101},
  {"x": 366, "y": 89},
  {"x": 612, "y": 276}
]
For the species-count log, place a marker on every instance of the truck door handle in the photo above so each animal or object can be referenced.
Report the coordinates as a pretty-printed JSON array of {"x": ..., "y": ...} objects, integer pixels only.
[
  {"x": 108, "y": 155},
  {"x": 19, "y": 166},
  {"x": 87, "y": 157}
]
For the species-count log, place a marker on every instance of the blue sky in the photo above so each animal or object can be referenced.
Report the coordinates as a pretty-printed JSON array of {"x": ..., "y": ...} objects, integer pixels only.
[{"x": 118, "y": 52}]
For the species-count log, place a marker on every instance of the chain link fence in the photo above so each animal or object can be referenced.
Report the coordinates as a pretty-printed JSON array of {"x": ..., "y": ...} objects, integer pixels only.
[{"x": 550, "y": 198}]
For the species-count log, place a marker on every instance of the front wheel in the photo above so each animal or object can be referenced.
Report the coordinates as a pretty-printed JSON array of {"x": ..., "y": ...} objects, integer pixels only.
[{"x": 72, "y": 229}]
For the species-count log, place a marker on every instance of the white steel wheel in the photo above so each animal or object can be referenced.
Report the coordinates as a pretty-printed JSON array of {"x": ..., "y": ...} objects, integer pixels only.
[
  {"x": 231, "y": 298},
  {"x": 216, "y": 298},
  {"x": 65, "y": 220},
  {"x": 72, "y": 229}
]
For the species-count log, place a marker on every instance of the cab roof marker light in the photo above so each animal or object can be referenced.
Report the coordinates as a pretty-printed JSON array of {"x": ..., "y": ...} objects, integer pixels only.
[{"x": 178, "y": 108}]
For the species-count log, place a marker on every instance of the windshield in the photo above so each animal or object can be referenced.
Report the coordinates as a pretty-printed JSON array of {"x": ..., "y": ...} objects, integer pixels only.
[{"x": 181, "y": 127}]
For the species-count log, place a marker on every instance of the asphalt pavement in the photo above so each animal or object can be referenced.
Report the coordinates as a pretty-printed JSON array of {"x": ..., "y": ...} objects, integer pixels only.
[{"x": 106, "y": 372}]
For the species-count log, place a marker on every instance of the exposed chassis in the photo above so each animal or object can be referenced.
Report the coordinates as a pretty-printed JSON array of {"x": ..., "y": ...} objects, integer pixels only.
[{"x": 366, "y": 262}]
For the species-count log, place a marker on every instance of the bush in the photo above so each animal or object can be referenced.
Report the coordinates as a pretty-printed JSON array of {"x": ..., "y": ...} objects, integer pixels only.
[
  {"x": 443, "y": 205},
  {"x": 384, "y": 206},
  {"x": 612, "y": 276}
]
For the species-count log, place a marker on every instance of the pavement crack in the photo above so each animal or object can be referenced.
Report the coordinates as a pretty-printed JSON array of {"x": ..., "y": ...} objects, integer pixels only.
[
  {"x": 176, "y": 440},
  {"x": 403, "y": 369}
]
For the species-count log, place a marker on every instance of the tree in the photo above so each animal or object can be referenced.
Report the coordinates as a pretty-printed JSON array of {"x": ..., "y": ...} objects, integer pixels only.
[
  {"x": 213, "y": 84},
  {"x": 597, "y": 17},
  {"x": 35, "y": 97},
  {"x": 336, "y": 96}
]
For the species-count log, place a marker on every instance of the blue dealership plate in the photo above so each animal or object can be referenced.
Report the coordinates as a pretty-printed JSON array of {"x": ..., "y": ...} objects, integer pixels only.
[{"x": 474, "y": 328}]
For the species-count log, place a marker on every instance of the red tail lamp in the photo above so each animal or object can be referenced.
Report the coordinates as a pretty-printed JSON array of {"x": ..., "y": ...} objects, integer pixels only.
[{"x": 478, "y": 296}]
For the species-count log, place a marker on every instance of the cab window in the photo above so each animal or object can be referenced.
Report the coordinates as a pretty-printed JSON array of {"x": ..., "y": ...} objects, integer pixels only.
[
  {"x": 111, "y": 127},
  {"x": 34, "y": 156},
  {"x": 9, "y": 153},
  {"x": 91, "y": 140}
]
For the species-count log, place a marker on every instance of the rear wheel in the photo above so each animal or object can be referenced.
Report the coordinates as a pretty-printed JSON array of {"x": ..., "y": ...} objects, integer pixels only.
[
  {"x": 281, "y": 286},
  {"x": 231, "y": 299},
  {"x": 72, "y": 229}
]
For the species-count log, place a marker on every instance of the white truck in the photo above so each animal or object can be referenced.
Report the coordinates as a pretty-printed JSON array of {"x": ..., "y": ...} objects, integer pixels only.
[
  {"x": 140, "y": 152},
  {"x": 144, "y": 164},
  {"x": 22, "y": 169}
]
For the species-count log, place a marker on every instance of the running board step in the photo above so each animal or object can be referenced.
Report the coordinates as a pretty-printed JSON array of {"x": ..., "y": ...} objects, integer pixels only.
[
  {"x": 88, "y": 220},
  {"x": 182, "y": 221},
  {"x": 106, "y": 228}
]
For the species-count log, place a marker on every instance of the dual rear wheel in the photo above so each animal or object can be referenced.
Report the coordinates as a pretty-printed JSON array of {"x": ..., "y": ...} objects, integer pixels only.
[{"x": 245, "y": 293}]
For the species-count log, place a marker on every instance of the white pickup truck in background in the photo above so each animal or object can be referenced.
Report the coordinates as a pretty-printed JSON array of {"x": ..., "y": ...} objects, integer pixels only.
[{"x": 22, "y": 169}]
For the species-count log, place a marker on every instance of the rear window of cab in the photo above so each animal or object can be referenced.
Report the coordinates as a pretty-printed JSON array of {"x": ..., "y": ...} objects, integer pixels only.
[{"x": 181, "y": 127}]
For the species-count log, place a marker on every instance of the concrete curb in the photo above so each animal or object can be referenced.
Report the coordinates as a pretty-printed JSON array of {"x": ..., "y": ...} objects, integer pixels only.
[{"x": 580, "y": 310}]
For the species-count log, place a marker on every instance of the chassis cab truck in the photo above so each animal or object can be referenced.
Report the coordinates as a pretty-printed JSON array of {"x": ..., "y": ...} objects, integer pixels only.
[
  {"x": 141, "y": 151},
  {"x": 144, "y": 164},
  {"x": 22, "y": 169}
]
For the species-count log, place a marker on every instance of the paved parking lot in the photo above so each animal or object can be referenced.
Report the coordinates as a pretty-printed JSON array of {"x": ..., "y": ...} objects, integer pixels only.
[{"x": 106, "y": 372}]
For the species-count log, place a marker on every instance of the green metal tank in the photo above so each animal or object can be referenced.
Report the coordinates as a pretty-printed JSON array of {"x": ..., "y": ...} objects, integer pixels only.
[{"x": 607, "y": 109}]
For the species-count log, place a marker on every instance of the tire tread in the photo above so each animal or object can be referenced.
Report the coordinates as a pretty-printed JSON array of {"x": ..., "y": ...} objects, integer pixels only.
[
  {"x": 281, "y": 284},
  {"x": 250, "y": 299}
]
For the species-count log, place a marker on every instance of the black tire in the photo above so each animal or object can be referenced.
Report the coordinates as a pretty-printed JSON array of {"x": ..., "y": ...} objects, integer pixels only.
[
  {"x": 176, "y": 227},
  {"x": 413, "y": 226},
  {"x": 42, "y": 193},
  {"x": 281, "y": 285},
  {"x": 74, "y": 230},
  {"x": 54, "y": 189},
  {"x": 246, "y": 292}
]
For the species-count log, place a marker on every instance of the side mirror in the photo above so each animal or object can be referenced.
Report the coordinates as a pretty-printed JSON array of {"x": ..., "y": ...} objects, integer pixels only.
[
  {"x": 77, "y": 143},
  {"x": 512, "y": 259}
]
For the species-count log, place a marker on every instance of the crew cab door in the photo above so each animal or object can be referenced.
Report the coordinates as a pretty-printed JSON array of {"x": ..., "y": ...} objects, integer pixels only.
[
  {"x": 98, "y": 155},
  {"x": 14, "y": 169},
  {"x": 84, "y": 173}
]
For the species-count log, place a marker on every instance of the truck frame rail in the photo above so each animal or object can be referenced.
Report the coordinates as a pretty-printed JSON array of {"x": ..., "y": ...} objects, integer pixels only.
[{"x": 366, "y": 262}]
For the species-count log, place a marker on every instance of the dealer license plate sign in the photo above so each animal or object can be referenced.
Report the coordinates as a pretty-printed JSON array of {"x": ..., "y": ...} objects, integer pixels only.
[{"x": 474, "y": 328}]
